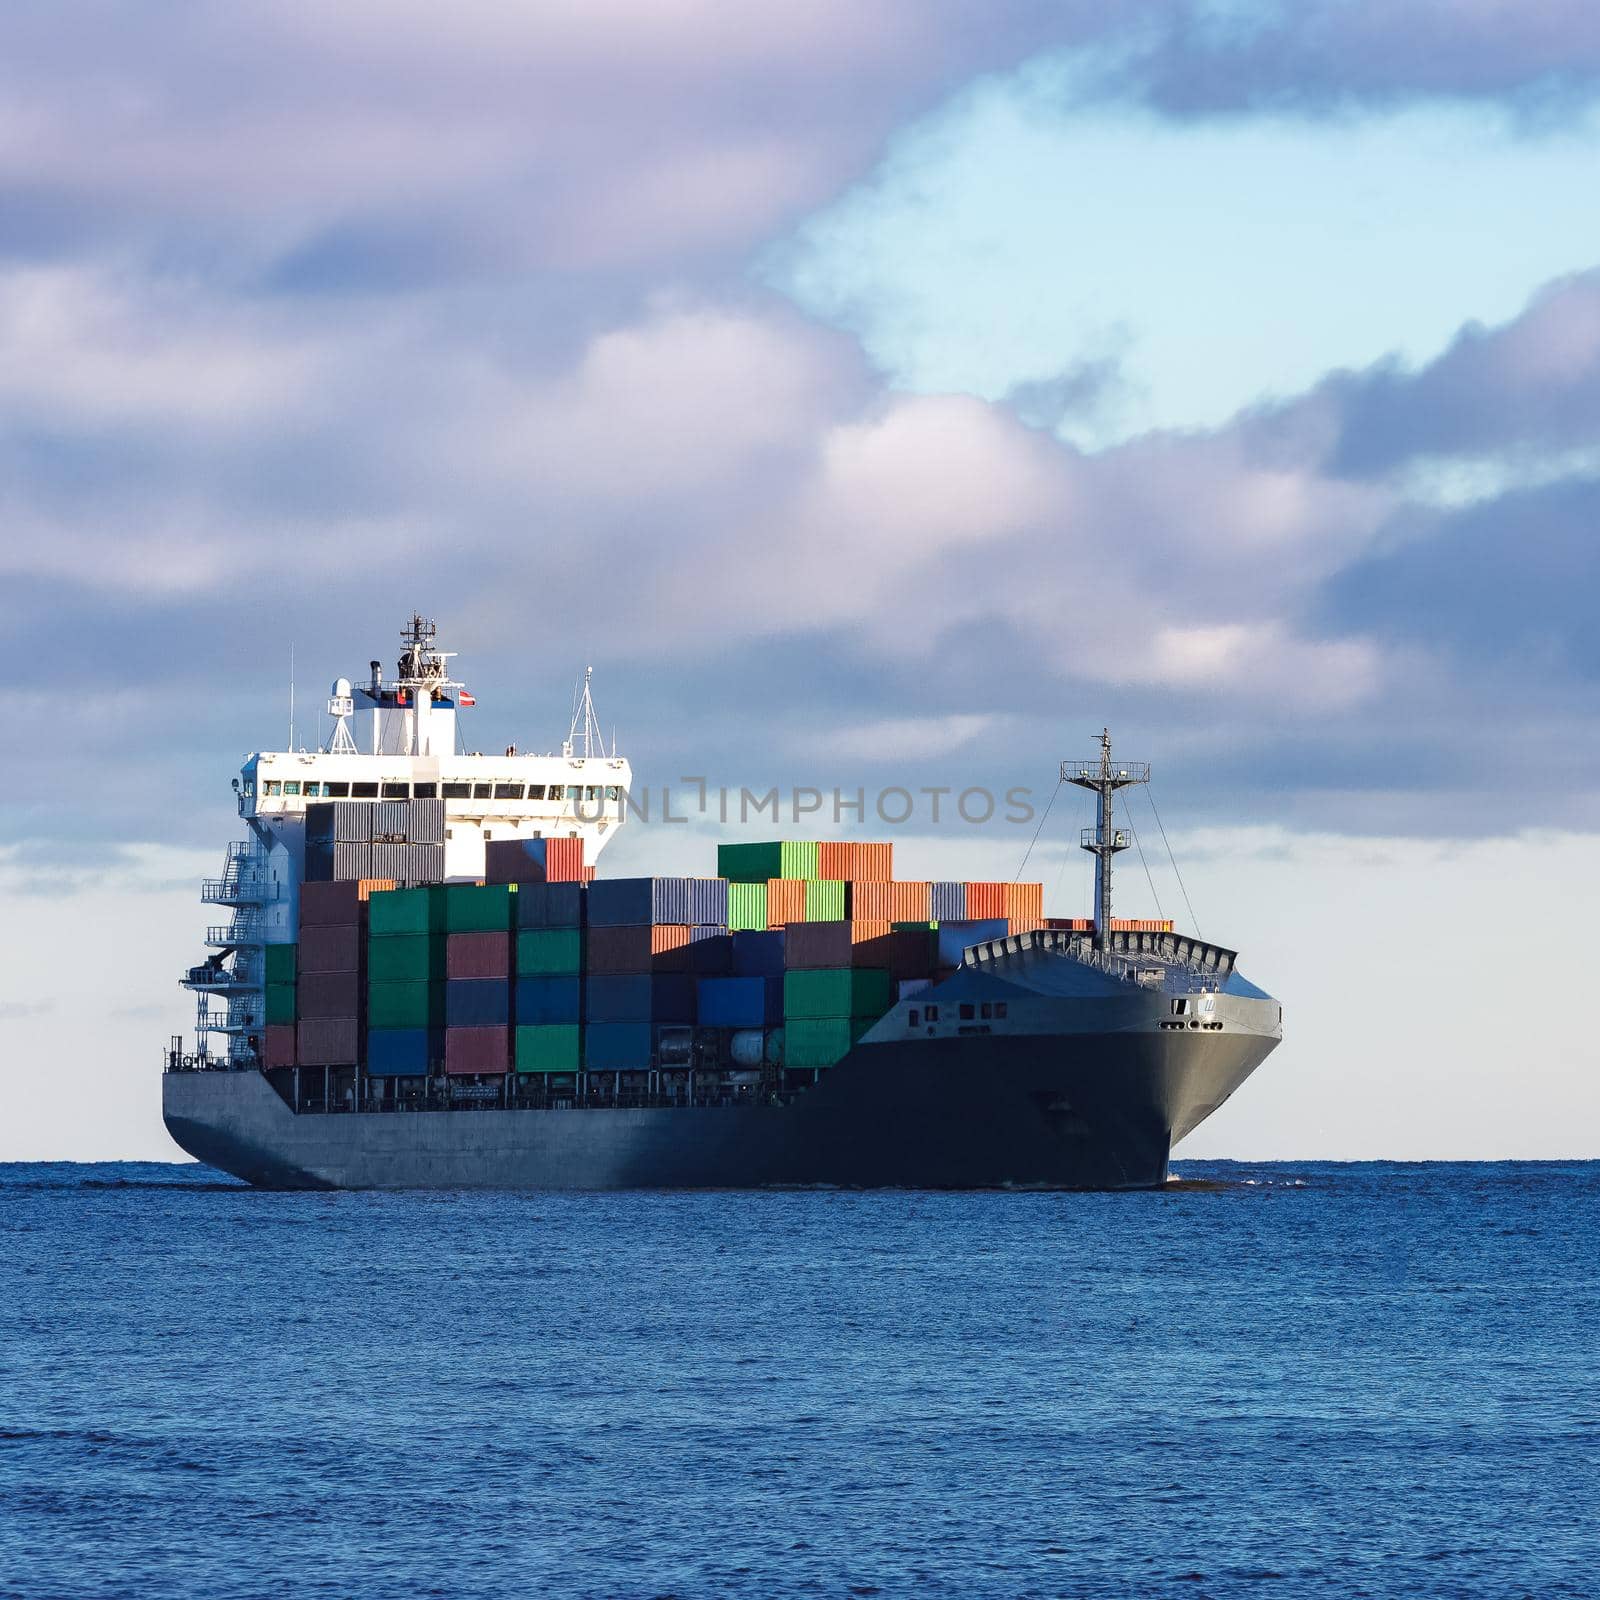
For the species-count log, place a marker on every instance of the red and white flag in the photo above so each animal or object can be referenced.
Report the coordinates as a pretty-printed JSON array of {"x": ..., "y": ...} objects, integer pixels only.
[{"x": 466, "y": 699}]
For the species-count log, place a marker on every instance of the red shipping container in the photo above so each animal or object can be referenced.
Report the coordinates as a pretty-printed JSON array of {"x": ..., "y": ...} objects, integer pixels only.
[
  {"x": 477, "y": 955},
  {"x": 335, "y": 948},
  {"x": 984, "y": 900},
  {"x": 905, "y": 901},
  {"x": 277, "y": 1045},
  {"x": 328, "y": 995},
  {"x": 474, "y": 1050},
  {"x": 325, "y": 905},
  {"x": 563, "y": 861},
  {"x": 786, "y": 901},
  {"x": 327, "y": 1042},
  {"x": 1024, "y": 901},
  {"x": 1070, "y": 924}
]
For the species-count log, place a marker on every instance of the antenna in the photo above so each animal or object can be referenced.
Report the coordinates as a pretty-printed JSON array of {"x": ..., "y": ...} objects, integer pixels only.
[
  {"x": 585, "y": 725},
  {"x": 291, "y": 694},
  {"x": 1103, "y": 841}
]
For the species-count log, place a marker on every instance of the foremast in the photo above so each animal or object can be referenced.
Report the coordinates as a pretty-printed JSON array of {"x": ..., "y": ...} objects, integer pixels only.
[{"x": 1104, "y": 840}]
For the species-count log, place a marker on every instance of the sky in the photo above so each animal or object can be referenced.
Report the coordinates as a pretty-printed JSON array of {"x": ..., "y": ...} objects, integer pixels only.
[{"x": 891, "y": 393}]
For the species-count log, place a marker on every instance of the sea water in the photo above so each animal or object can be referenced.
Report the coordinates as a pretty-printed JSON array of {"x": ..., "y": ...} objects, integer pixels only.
[{"x": 1293, "y": 1380}]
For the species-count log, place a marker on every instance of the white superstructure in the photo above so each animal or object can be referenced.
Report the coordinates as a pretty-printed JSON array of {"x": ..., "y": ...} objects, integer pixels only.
[{"x": 393, "y": 739}]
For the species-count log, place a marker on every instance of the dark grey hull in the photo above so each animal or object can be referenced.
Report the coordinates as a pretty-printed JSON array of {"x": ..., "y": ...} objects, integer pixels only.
[{"x": 1084, "y": 1111}]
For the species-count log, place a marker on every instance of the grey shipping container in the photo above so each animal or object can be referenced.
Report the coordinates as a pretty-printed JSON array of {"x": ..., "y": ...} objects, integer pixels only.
[
  {"x": 351, "y": 861},
  {"x": 424, "y": 864},
  {"x": 427, "y": 822},
  {"x": 390, "y": 861},
  {"x": 390, "y": 821},
  {"x": 352, "y": 821}
]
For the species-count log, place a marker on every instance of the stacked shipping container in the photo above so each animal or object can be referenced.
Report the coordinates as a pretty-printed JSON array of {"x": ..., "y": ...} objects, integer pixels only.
[{"x": 541, "y": 970}]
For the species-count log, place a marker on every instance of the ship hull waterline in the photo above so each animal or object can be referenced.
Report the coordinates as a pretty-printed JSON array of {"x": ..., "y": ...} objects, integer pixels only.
[{"x": 985, "y": 1112}]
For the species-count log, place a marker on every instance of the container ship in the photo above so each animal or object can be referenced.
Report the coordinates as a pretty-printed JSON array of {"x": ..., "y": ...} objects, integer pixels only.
[{"x": 424, "y": 982}]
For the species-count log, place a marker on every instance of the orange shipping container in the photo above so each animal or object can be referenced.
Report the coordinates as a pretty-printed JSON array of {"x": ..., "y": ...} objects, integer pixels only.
[
  {"x": 1024, "y": 924},
  {"x": 834, "y": 859},
  {"x": 985, "y": 900},
  {"x": 905, "y": 901},
  {"x": 786, "y": 901},
  {"x": 1140, "y": 925},
  {"x": 855, "y": 863},
  {"x": 1024, "y": 901},
  {"x": 1070, "y": 924},
  {"x": 367, "y": 887},
  {"x": 864, "y": 940}
]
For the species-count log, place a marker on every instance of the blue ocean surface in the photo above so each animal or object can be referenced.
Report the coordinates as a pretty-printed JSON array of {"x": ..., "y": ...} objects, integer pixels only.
[{"x": 1276, "y": 1380}]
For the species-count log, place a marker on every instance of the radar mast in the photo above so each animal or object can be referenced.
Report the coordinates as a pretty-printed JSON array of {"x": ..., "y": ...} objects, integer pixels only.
[{"x": 1103, "y": 841}]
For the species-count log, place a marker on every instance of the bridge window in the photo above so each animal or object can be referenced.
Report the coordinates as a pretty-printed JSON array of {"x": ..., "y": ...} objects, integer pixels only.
[
  {"x": 458, "y": 791},
  {"x": 508, "y": 791},
  {"x": 483, "y": 791},
  {"x": 1180, "y": 1008},
  {"x": 911, "y": 1019},
  {"x": 613, "y": 792},
  {"x": 312, "y": 790},
  {"x": 424, "y": 791},
  {"x": 986, "y": 1011},
  {"x": 932, "y": 1013},
  {"x": 364, "y": 791},
  {"x": 966, "y": 1011},
  {"x": 397, "y": 791},
  {"x": 999, "y": 1009},
  {"x": 291, "y": 786},
  {"x": 592, "y": 792},
  {"x": 272, "y": 787},
  {"x": 336, "y": 791},
  {"x": 536, "y": 791},
  {"x": 557, "y": 792}
]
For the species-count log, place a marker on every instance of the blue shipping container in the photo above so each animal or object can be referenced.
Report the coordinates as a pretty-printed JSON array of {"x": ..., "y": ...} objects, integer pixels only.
[
  {"x": 402, "y": 1052},
  {"x": 477, "y": 1002},
  {"x": 549, "y": 999},
  {"x": 740, "y": 1002},
  {"x": 514, "y": 861},
  {"x": 549, "y": 905},
  {"x": 621, "y": 902},
  {"x": 954, "y": 937},
  {"x": 947, "y": 902},
  {"x": 640, "y": 997},
  {"x": 609, "y": 1046},
  {"x": 758, "y": 955}
]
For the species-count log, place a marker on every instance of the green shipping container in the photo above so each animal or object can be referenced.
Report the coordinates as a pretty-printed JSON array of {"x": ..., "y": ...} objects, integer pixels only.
[
  {"x": 406, "y": 958},
  {"x": 401, "y": 912},
  {"x": 837, "y": 992},
  {"x": 549, "y": 952},
  {"x": 549, "y": 1047},
  {"x": 477, "y": 908},
  {"x": 280, "y": 1001},
  {"x": 821, "y": 1041},
  {"x": 825, "y": 900},
  {"x": 747, "y": 906},
  {"x": 281, "y": 962},
  {"x": 405, "y": 1005},
  {"x": 755, "y": 863}
]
